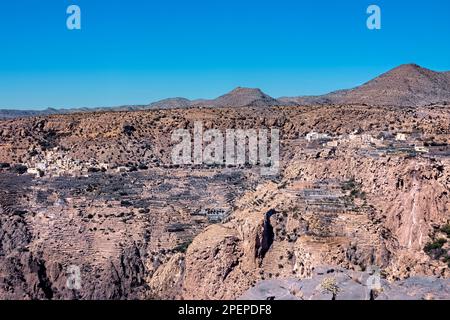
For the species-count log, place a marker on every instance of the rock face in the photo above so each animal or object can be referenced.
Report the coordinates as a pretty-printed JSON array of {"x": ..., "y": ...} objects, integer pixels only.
[
  {"x": 358, "y": 187},
  {"x": 334, "y": 283}
]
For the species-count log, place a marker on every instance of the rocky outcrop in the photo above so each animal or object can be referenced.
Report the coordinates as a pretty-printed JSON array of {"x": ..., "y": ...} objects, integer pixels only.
[
  {"x": 213, "y": 265},
  {"x": 334, "y": 283},
  {"x": 167, "y": 281}
]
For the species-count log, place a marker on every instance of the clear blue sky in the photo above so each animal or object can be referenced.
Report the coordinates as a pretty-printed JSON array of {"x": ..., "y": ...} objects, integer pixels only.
[{"x": 138, "y": 51}]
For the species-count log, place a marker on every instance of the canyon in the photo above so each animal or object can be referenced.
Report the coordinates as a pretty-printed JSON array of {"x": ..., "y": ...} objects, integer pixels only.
[
  {"x": 359, "y": 188},
  {"x": 85, "y": 190}
]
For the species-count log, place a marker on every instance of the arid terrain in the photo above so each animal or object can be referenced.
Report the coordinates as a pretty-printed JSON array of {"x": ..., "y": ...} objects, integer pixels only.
[{"x": 360, "y": 187}]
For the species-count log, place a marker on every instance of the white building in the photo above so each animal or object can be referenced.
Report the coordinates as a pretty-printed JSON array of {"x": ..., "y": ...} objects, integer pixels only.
[
  {"x": 312, "y": 136},
  {"x": 421, "y": 149},
  {"x": 401, "y": 136}
]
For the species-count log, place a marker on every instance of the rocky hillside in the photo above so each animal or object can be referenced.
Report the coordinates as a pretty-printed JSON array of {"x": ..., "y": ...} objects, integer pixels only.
[
  {"x": 239, "y": 97},
  {"x": 242, "y": 97},
  {"x": 172, "y": 103},
  {"x": 406, "y": 85}
]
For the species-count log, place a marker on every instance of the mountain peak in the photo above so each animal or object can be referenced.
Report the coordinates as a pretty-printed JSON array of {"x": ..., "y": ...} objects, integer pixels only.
[
  {"x": 405, "y": 85},
  {"x": 410, "y": 68},
  {"x": 240, "y": 97},
  {"x": 244, "y": 90}
]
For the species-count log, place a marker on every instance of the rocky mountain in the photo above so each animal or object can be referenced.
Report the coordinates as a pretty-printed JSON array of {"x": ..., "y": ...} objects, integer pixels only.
[
  {"x": 242, "y": 97},
  {"x": 171, "y": 103},
  {"x": 406, "y": 85},
  {"x": 239, "y": 97}
]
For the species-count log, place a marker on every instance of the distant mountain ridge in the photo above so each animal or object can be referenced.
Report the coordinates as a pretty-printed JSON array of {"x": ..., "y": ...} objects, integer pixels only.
[
  {"x": 241, "y": 97},
  {"x": 406, "y": 85},
  {"x": 171, "y": 103}
]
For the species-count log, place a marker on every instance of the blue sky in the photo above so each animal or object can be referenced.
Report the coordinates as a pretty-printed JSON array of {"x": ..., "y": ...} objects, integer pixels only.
[{"x": 138, "y": 51}]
